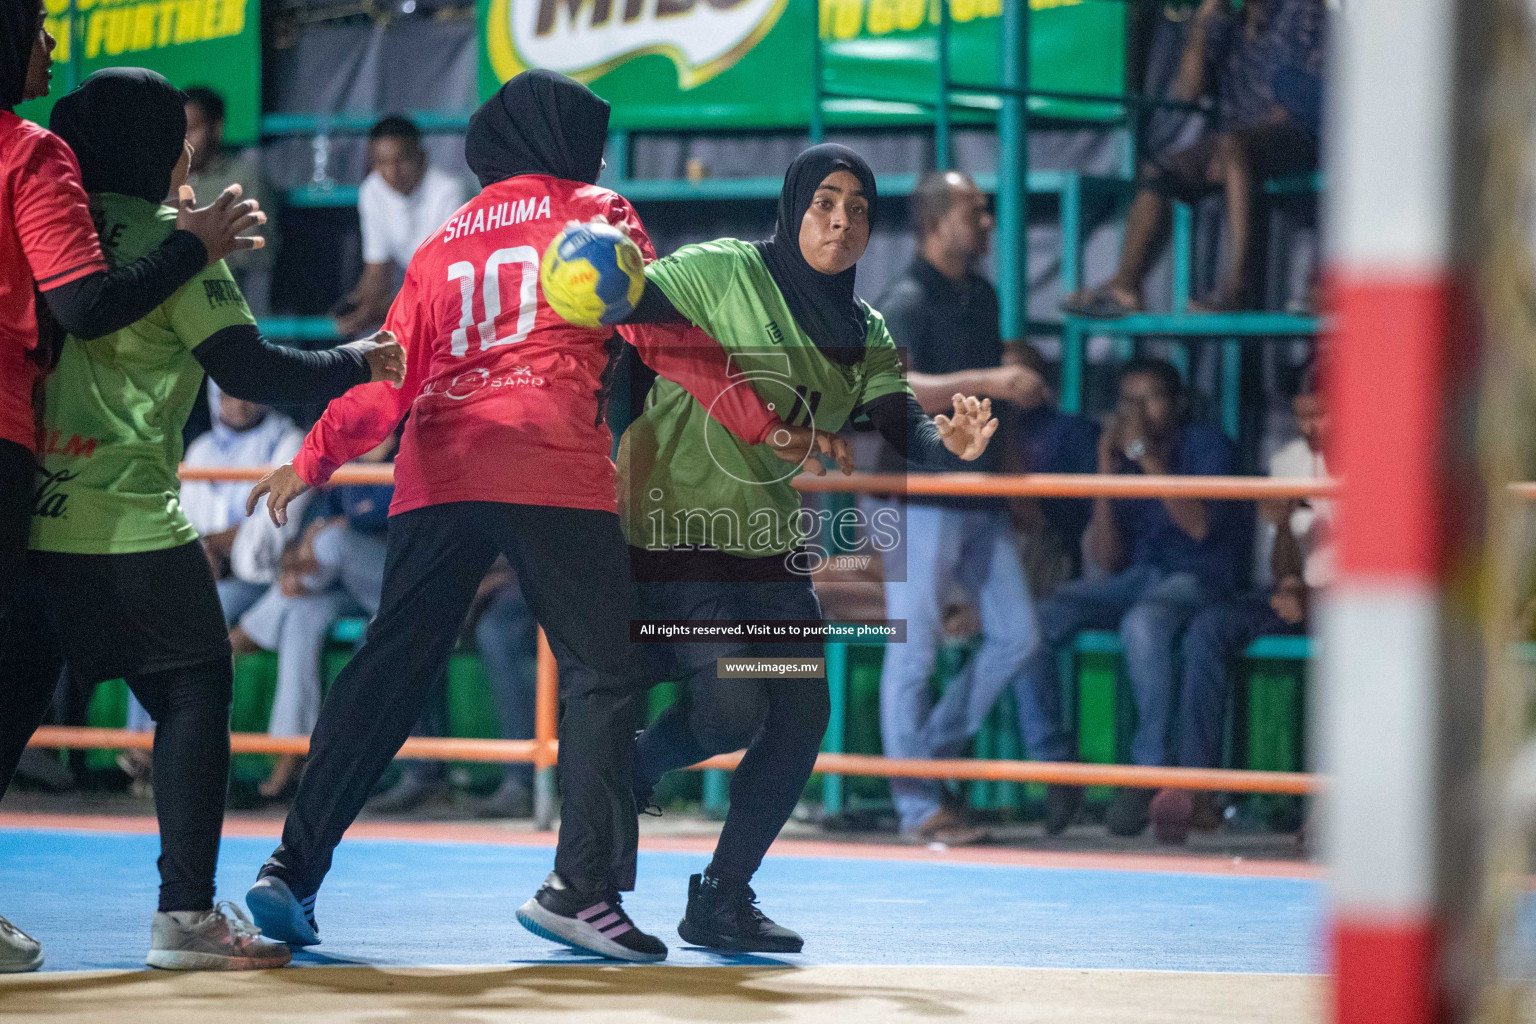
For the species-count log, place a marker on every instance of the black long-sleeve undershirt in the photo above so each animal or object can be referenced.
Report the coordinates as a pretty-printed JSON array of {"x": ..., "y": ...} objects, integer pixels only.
[
  {"x": 911, "y": 432},
  {"x": 655, "y": 308},
  {"x": 109, "y": 300},
  {"x": 246, "y": 365}
]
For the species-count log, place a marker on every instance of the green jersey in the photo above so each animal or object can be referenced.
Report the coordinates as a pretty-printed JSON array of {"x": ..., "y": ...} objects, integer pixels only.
[
  {"x": 685, "y": 479},
  {"x": 115, "y": 406}
]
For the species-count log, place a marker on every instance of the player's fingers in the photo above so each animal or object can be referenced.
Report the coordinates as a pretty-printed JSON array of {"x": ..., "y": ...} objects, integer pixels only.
[
  {"x": 248, "y": 221},
  {"x": 250, "y": 242},
  {"x": 262, "y": 487},
  {"x": 843, "y": 452},
  {"x": 990, "y": 428},
  {"x": 228, "y": 197},
  {"x": 186, "y": 198},
  {"x": 945, "y": 425},
  {"x": 814, "y": 467},
  {"x": 985, "y": 406},
  {"x": 958, "y": 401}
]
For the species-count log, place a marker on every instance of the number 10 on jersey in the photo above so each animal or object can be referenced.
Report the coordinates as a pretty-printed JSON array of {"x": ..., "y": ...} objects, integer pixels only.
[{"x": 526, "y": 259}]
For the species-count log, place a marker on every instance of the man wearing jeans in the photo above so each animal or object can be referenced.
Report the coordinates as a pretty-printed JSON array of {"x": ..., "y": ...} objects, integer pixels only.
[
  {"x": 1301, "y": 564},
  {"x": 1164, "y": 559},
  {"x": 945, "y": 316}
]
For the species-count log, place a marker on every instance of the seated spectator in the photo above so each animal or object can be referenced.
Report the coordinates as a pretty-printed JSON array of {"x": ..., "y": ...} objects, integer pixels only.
[
  {"x": 1051, "y": 529},
  {"x": 1265, "y": 63},
  {"x": 213, "y": 169},
  {"x": 400, "y": 203},
  {"x": 1301, "y": 563},
  {"x": 507, "y": 636},
  {"x": 944, "y": 315},
  {"x": 1163, "y": 561},
  {"x": 336, "y": 569},
  {"x": 244, "y": 434}
]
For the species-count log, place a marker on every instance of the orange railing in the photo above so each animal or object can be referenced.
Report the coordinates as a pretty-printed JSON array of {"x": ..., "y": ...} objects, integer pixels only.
[{"x": 542, "y": 749}]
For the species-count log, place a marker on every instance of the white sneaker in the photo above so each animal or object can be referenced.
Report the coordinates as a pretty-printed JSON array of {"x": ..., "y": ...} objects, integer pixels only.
[
  {"x": 19, "y": 952},
  {"x": 221, "y": 939}
]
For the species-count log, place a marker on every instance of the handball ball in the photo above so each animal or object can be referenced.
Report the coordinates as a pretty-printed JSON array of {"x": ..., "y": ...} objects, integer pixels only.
[{"x": 592, "y": 275}]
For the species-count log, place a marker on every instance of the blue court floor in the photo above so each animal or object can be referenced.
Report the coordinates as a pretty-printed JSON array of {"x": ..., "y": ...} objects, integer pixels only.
[{"x": 88, "y": 897}]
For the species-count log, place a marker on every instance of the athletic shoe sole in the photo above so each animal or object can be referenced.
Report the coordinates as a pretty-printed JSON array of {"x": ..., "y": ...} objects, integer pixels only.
[
  {"x": 24, "y": 966},
  {"x": 277, "y": 912},
  {"x": 709, "y": 940},
  {"x": 182, "y": 960},
  {"x": 577, "y": 934}
]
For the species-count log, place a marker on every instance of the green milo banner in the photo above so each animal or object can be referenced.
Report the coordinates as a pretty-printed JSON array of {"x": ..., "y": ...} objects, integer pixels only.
[
  {"x": 681, "y": 64},
  {"x": 216, "y": 43}
]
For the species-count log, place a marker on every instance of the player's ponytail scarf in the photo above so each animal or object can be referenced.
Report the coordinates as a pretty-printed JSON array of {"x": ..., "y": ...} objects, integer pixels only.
[
  {"x": 18, "y": 31},
  {"x": 538, "y": 123},
  {"x": 822, "y": 304},
  {"x": 127, "y": 127}
]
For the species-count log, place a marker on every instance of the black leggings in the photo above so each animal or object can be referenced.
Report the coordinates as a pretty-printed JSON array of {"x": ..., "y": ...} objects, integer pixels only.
[
  {"x": 781, "y": 722},
  {"x": 190, "y": 707},
  {"x": 152, "y": 617},
  {"x": 17, "y": 471},
  {"x": 573, "y": 567}
]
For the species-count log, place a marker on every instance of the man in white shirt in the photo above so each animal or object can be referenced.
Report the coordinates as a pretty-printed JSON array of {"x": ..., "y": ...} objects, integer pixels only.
[
  {"x": 400, "y": 203},
  {"x": 1301, "y": 564}
]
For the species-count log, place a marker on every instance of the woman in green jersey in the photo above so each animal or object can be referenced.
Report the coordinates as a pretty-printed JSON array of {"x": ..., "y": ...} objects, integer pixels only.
[
  {"x": 117, "y": 582},
  {"x": 716, "y": 530}
]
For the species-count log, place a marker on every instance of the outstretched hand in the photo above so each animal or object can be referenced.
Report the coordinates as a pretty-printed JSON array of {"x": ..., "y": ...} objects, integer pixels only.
[
  {"x": 220, "y": 226},
  {"x": 967, "y": 432},
  {"x": 797, "y": 444},
  {"x": 384, "y": 356},
  {"x": 281, "y": 486}
]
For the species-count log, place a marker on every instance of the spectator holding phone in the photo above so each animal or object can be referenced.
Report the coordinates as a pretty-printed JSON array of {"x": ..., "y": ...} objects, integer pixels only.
[
  {"x": 1161, "y": 561},
  {"x": 1301, "y": 563}
]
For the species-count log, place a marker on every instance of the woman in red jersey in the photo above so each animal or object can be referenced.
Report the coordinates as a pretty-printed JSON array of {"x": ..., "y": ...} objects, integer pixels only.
[
  {"x": 49, "y": 248},
  {"x": 505, "y": 452}
]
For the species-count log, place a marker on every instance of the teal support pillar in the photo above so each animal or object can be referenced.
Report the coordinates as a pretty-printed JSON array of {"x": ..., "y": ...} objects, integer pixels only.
[
  {"x": 1013, "y": 174},
  {"x": 717, "y": 793},
  {"x": 1231, "y": 387},
  {"x": 837, "y": 726},
  {"x": 818, "y": 125},
  {"x": 1183, "y": 255},
  {"x": 941, "y": 98}
]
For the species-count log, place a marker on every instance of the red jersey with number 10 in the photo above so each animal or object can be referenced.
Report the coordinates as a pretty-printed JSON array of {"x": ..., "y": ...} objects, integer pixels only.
[{"x": 502, "y": 393}]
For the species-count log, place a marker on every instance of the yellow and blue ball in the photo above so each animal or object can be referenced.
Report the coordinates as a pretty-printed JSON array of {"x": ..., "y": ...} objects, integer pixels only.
[{"x": 592, "y": 275}]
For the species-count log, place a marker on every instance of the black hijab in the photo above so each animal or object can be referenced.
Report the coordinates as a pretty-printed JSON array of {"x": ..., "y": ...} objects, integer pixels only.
[
  {"x": 18, "y": 32},
  {"x": 538, "y": 123},
  {"x": 822, "y": 304},
  {"x": 127, "y": 127}
]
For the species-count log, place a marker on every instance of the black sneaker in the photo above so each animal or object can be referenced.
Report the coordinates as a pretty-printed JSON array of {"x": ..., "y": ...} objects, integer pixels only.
[
  {"x": 1129, "y": 813},
  {"x": 593, "y": 925},
  {"x": 280, "y": 912},
  {"x": 1061, "y": 804},
  {"x": 725, "y": 916}
]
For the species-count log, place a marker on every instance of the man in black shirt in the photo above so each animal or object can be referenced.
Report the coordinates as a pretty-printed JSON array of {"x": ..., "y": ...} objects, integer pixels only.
[{"x": 945, "y": 318}]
